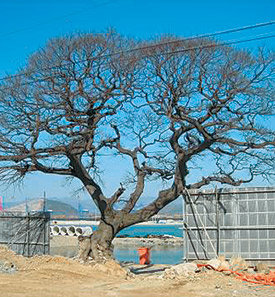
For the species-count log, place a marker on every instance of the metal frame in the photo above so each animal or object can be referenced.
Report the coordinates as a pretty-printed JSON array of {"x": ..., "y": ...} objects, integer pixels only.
[
  {"x": 238, "y": 222},
  {"x": 26, "y": 233}
]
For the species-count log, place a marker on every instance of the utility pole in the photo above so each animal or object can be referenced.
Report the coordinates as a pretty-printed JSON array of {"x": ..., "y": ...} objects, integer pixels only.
[
  {"x": 78, "y": 206},
  {"x": 44, "y": 201}
]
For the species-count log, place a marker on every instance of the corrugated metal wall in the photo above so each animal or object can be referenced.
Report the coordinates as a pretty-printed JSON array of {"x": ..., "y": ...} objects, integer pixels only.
[
  {"x": 232, "y": 222},
  {"x": 25, "y": 233}
]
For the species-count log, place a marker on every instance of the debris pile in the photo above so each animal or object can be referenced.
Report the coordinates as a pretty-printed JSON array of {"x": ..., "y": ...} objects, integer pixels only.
[
  {"x": 184, "y": 269},
  {"x": 7, "y": 267},
  {"x": 237, "y": 266}
]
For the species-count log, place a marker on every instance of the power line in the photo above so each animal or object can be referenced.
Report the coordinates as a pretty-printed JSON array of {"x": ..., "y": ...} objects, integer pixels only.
[
  {"x": 233, "y": 30},
  {"x": 211, "y": 45},
  {"x": 53, "y": 19},
  {"x": 258, "y": 37}
]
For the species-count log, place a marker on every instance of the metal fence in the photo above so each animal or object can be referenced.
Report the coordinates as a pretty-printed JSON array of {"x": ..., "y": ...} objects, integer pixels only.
[
  {"x": 26, "y": 233},
  {"x": 232, "y": 222}
]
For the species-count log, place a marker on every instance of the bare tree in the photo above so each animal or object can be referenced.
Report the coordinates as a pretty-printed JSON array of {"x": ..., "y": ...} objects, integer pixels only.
[
  {"x": 217, "y": 100},
  {"x": 164, "y": 107}
]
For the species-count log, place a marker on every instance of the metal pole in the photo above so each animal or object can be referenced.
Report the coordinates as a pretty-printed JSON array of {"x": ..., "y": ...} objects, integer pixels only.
[
  {"x": 217, "y": 220},
  {"x": 48, "y": 232},
  {"x": 45, "y": 225},
  {"x": 184, "y": 231},
  {"x": 28, "y": 234},
  {"x": 44, "y": 201}
]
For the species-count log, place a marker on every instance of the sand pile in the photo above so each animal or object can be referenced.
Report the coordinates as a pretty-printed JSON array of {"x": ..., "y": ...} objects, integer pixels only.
[
  {"x": 46, "y": 262},
  {"x": 10, "y": 256},
  {"x": 110, "y": 268}
]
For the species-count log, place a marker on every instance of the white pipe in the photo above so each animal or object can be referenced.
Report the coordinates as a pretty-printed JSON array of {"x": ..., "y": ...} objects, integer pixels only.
[
  {"x": 71, "y": 231},
  {"x": 63, "y": 231},
  {"x": 87, "y": 231},
  {"x": 78, "y": 231},
  {"x": 56, "y": 230}
]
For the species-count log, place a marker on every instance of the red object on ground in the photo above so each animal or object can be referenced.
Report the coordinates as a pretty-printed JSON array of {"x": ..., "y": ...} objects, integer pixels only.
[
  {"x": 1, "y": 203},
  {"x": 144, "y": 255},
  {"x": 259, "y": 278}
]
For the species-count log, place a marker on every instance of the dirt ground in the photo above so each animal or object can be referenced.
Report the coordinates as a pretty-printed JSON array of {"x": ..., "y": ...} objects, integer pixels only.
[{"x": 48, "y": 276}]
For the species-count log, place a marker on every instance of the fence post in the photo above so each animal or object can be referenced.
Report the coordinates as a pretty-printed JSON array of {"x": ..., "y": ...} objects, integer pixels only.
[
  {"x": 184, "y": 230},
  {"x": 28, "y": 234},
  {"x": 217, "y": 220}
]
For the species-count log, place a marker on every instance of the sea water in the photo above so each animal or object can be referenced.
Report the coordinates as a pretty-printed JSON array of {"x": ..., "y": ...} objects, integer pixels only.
[
  {"x": 160, "y": 255},
  {"x": 154, "y": 229}
]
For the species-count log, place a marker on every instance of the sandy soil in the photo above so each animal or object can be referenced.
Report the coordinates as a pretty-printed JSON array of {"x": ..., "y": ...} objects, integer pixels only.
[{"x": 48, "y": 276}]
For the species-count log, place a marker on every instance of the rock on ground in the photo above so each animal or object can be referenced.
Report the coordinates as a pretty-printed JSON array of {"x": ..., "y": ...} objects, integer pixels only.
[
  {"x": 183, "y": 269},
  {"x": 262, "y": 268},
  {"x": 238, "y": 264},
  {"x": 7, "y": 267}
]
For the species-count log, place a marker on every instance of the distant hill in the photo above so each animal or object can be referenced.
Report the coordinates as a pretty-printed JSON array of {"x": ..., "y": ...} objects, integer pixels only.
[
  {"x": 70, "y": 207},
  {"x": 56, "y": 207},
  {"x": 174, "y": 207}
]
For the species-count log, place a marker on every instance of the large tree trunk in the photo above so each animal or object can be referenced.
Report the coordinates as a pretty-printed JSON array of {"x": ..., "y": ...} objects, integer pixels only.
[
  {"x": 99, "y": 245},
  {"x": 101, "y": 242}
]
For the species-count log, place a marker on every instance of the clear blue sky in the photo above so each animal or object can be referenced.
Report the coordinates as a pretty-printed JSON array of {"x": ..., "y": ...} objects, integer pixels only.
[{"x": 26, "y": 25}]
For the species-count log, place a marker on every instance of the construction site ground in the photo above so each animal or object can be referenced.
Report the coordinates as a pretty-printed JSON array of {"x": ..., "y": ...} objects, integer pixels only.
[{"x": 48, "y": 276}]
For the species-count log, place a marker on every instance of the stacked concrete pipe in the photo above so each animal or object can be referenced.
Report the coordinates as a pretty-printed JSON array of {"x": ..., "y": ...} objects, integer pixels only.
[
  {"x": 55, "y": 230},
  {"x": 71, "y": 230},
  {"x": 87, "y": 231},
  {"x": 78, "y": 231},
  {"x": 63, "y": 231}
]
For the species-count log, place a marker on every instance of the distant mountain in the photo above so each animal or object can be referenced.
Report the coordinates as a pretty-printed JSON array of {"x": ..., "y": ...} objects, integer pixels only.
[
  {"x": 72, "y": 206},
  {"x": 81, "y": 204},
  {"x": 174, "y": 207},
  {"x": 60, "y": 208},
  {"x": 56, "y": 207}
]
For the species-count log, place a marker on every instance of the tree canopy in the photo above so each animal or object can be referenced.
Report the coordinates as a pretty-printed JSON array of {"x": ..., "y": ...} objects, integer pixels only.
[{"x": 167, "y": 105}]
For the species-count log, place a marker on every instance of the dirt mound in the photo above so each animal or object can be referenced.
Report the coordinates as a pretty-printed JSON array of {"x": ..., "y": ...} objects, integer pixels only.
[
  {"x": 111, "y": 268},
  {"x": 36, "y": 262},
  {"x": 46, "y": 262},
  {"x": 41, "y": 262},
  {"x": 10, "y": 256}
]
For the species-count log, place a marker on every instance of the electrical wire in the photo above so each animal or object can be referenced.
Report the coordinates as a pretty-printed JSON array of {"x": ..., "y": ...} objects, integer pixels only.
[
  {"x": 166, "y": 43},
  {"x": 259, "y": 37},
  {"x": 211, "y": 45},
  {"x": 231, "y": 42},
  {"x": 54, "y": 19}
]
